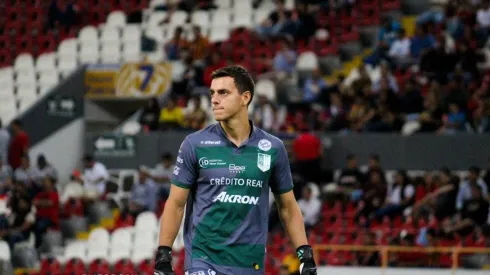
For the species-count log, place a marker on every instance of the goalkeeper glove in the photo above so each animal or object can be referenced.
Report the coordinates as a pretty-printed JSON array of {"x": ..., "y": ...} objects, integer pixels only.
[
  {"x": 163, "y": 261},
  {"x": 305, "y": 255}
]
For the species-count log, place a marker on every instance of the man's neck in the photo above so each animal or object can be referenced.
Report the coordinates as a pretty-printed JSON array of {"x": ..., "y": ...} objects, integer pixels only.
[{"x": 237, "y": 129}]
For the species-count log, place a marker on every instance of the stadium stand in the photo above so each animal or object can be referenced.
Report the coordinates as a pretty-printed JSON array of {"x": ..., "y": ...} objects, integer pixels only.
[{"x": 104, "y": 236}]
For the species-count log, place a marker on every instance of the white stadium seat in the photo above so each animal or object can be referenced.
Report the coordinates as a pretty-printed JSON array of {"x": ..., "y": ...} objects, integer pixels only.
[
  {"x": 77, "y": 249},
  {"x": 146, "y": 221},
  {"x": 260, "y": 15},
  {"x": 244, "y": 6},
  {"x": 89, "y": 54},
  {"x": 67, "y": 65},
  {"x": 242, "y": 19},
  {"x": 88, "y": 35},
  {"x": 116, "y": 19},
  {"x": 67, "y": 47},
  {"x": 131, "y": 33},
  {"x": 218, "y": 34},
  {"x": 27, "y": 78},
  {"x": 178, "y": 18},
  {"x": 110, "y": 54},
  {"x": 7, "y": 78},
  {"x": 131, "y": 52},
  {"x": 200, "y": 18},
  {"x": 109, "y": 35},
  {"x": 44, "y": 89},
  {"x": 266, "y": 88},
  {"x": 221, "y": 18},
  {"x": 49, "y": 78},
  {"x": 223, "y": 4},
  {"x": 98, "y": 237},
  {"x": 155, "y": 3},
  {"x": 24, "y": 62},
  {"x": 4, "y": 251},
  {"x": 46, "y": 62}
]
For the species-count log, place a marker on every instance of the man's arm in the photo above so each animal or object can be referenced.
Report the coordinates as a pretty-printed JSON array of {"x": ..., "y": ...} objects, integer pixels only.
[
  {"x": 291, "y": 218},
  {"x": 172, "y": 215}
]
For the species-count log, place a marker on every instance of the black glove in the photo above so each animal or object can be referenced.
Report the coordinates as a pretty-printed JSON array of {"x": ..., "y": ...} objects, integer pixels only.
[
  {"x": 163, "y": 261},
  {"x": 305, "y": 255}
]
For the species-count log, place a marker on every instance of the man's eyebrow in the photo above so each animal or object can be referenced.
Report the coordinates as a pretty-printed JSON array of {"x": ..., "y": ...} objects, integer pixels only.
[{"x": 219, "y": 90}]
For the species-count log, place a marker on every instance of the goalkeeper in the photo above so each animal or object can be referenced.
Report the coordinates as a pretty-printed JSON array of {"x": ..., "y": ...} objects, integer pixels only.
[{"x": 222, "y": 178}]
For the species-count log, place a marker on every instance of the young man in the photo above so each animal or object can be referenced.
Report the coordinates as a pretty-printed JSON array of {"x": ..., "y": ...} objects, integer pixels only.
[{"x": 223, "y": 173}]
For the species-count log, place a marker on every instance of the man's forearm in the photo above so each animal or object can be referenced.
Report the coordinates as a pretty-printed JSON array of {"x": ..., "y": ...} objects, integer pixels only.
[
  {"x": 170, "y": 223},
  {"x": 293, "y": 223}
]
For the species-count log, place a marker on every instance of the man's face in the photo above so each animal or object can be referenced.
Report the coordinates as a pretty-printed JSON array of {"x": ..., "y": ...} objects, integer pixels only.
[
  {"x": 89, "y": 164},
  {"x": 25, "y": 162},
  {"x": 352, "y": 163},
  {"x": 472, "y": 176},
  {"x": 373, "y": 163},
  {"x": 142, "y": 176},
  {"x": 226, "y": 99},
  {"x": 306, "y": 193},
  {"x": 167, "y": 162}
]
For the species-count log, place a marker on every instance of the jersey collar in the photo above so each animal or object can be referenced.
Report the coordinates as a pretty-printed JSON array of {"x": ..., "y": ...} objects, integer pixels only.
[{"x": 253, "y": 132}]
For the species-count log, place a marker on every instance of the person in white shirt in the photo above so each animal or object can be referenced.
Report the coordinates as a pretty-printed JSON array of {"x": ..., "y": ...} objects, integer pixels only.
[
  {"x": 400, "y": 196},
  {"x": 483, "y": 15},
  {"x": 400, "y": 49},
  {"x": 95, "y": 177},
  {"x": 162, "y": 173},
  {"x": 310, "y": 206}
]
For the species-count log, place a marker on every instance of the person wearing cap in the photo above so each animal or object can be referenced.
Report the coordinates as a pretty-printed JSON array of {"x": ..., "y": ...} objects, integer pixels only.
[{"x": 74, "y": 188}]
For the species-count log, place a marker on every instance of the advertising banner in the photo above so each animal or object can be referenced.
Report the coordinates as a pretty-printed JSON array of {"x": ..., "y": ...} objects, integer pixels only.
[{"x": 130, "y": 80}]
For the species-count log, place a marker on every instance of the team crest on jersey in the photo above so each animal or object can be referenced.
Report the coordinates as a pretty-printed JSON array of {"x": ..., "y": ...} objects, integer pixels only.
[
  {"x": 265, "y": 145},
  {"x": 264, "y": 162}
]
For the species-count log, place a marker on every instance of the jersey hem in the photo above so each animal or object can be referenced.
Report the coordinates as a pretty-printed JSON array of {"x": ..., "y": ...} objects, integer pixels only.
[
  {"x": 280, "y": 192},
  {"x": 181, "y": 185}
]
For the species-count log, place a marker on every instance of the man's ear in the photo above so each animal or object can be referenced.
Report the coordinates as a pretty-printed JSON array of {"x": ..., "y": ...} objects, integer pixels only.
[{"x": 248, "y": 98}]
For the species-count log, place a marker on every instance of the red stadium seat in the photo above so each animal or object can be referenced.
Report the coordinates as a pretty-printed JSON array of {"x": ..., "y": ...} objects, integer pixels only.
[
  {"x": 124, "y": 267},
  {"x": 5, "y": 42},
  {"x": 389, "y": 5},
  {"x": 50, "y": 265},
  {"x": 46, "y": 43},
  {"x": 146, "y": 267},
  {"x": 74, "y": 266},
  {"x": 5, "y": 57},
  {"x": 24, "y": 44},
  {"x": 99, "y": 266}
]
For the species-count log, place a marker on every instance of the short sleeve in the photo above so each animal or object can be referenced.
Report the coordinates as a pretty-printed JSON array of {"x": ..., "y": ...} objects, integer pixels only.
[
  {"x": 281, "y": 180},
  {"x": 185, "y": 172}
]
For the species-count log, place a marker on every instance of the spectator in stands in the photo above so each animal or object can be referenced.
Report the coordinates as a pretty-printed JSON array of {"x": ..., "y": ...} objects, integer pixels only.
[
  {"x": 474, "y": 212},
  {"x": 357, "y": 114},
  {"x": 483, "y": 20},
  {"x": 284, "y": 62},
  {"x": 171, "y": 116},
  {"x": 19, "y": 145},
  {"x": 310, "y": 207},
  {"x": 95, "y": 177},
  {"x": 54, "y": 14},
  {"x": 351, "y": 176},
  {"x": 163, "y": 173},
  {"x": 195, "y": 116},
  {"x": 466, "y": 59},
  {"x": 401, "y": 195},
  {"x": 465, "y": 191},
  {"x": 374, "y": 194},
  {"x": 174, "y": 47},
  {"x": 431, "y": 118},
  {"x": 441, "y": 201},
  {"x": 313, "y": 87},
  {"x": 70, "y": 16},
  {"x": 411, "y": 100},
  {"x": 150, "y": 114},
  {"x": 29, "y": 175},
  {"x": 214, "y": 63},
  {"x": 374, "y": 164},
  {"x": 46, "y": 169},
  {"x": 4, "y": 142},
  {"x": 264, "y": 115},
  {"x": 199, "y": 46},
  {"x": 273, "y": 25},
  {"x": 482, "y": 116},
  {"x": 386, "y": 81},
  {"x": 5, "y": 173},
  {"x": 399, "y": 52},
  {"x": 362, "y": 80},
  {"x": 307, "y": 24},
  {"x": 386, "y": 36},
  {"x": 308, "y": 153},
  {"x": 74, "y": 188},
  {"x": 16, "y": 227},
  {"x": 335, "y": 116},
  {"x": 143, "y": 194},
  {"x": 47, "y": 205},
  {"x": 421, "y": 42},
  {"x": 453, "y": 122}
]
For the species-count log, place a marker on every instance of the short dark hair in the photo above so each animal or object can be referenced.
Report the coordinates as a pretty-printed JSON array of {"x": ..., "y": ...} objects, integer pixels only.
[
  {"x": 88, "y": 158},
  {"x": 374, "y": 157},
  {"x": 475, "y": 169},
  {"x": 167, "y": 156},
  {"x": 17, "y": 123},
  {"x": 243, "y": 80}
]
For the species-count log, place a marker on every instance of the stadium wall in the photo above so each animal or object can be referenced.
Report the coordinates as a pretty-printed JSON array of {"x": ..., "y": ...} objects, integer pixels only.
[
  {"x": 396, "y": 271},
  {"x": 420, "y": 152}
]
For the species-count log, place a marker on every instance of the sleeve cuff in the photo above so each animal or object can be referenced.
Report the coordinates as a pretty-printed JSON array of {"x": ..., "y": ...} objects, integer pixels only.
[
  {"x": 181, "y": 184},
  {"x": 283, "y": 191}
]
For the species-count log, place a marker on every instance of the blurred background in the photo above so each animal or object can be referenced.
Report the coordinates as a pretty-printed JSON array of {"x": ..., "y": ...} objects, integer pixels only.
[{"x": 383, "y": 105}]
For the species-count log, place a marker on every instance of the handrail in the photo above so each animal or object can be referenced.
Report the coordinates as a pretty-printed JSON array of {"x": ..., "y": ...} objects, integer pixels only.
[{"x": 386, "y": 249}]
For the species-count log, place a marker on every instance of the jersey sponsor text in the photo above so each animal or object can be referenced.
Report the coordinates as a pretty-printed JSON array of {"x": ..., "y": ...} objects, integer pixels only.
[
  {"x": 236, "y": 181},
  {"x": 224, "y": 197}
]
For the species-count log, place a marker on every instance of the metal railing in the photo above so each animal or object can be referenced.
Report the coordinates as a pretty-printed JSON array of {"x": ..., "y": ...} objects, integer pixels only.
[{"x": 385, "y": 250}]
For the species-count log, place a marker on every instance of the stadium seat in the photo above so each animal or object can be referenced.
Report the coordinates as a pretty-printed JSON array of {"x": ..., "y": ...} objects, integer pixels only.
[
  {"x": 307, "y": 61},
  {"x": 242, "y": 19},
  {"x": 99, "y": 266},
  {"x": 49, "y": 78},
  {"x": 131, "y": 34},
  {"x": 116, "y": 19},
  {"x": 218, "y": 34},
  {"x": 178, "y": 18},
  {"x": 266, "y": 88},
  {"x": 121, "y": 245},
  {"x": 4, "y": 251},
  {"x": 98, "y": 245},
  {"x": 131, "y": 52},
  {"x": 223, "y": 4},
  {"x": 200, "y": 18},
  {"x": 89, "y": 54},
  {"x": 146, "y": 221},
  {"x": 67, "y": 47},
  {"x": 110, "y": 54},
  {"x": 67, "y": 65},
  {"x": 109, "y": 35},
  {"x": 74, "y": 266},
  {"x": 24, "y": 62},
  {"x": 155, "y": 18},
  {"x": 124, "y": 267},
  {"x": 88, "y": 35},
  {"x": 46, "y": 62},
  {"x": 221, "y": 18},
  {"x": 242, "y": 6},
  {"x": 50, "y": 265},
  {"x": 260, "y": 15}
]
